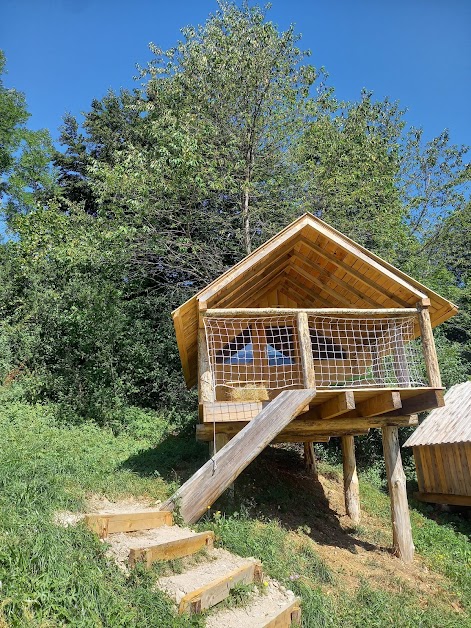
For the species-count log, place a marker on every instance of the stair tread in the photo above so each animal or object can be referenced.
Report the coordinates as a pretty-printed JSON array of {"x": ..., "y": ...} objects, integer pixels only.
[
  {"x": 261, "y": 609},
  {"x": 154, "y": 536},
  {"x": 121, "y": 543},
  {"x": 220, "y": 564}
]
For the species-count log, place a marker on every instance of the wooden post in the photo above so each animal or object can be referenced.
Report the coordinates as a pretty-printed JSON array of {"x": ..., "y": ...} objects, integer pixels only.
[
  {"x": 309, "y": 380},
  {"x": 205, "y": 379},
  {"x": 428, "y": 346},
  {"x": 218, "y": 443},
  {"x": 310, "y": 459},
  {"x": 350, "y": 479},
  {"x": 402, "y": 534}
]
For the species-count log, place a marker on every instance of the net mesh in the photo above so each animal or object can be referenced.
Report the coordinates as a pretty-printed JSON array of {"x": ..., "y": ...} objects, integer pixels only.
[{"x": 263, "y": 354}]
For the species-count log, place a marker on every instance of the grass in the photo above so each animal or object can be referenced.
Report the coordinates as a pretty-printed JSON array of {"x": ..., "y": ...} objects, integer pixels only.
[{"x": 52, "y": 576}]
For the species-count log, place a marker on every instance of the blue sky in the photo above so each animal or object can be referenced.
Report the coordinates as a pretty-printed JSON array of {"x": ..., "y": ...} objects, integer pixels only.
[{"x": 64, "y": 53}]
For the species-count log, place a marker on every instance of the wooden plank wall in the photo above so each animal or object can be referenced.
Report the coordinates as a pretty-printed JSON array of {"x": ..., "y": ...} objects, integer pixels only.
[{"x": 444, "y": 468}]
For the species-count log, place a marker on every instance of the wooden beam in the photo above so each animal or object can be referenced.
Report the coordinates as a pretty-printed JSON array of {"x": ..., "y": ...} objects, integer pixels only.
[
  {"x": 428, "y": 347},
  {"x": 310, "y": 297},
  {"x": 309, "y": 380},
  {"x": 310, "y": 462},
  {"x": 352, "y": 272},
  {"x": 302, "y": 429},
  {"x": 340, "y": 404},
  {"x": 110, "y": 523},
  {"x": 320, "y": 284},
  {"x": 327, "y": 311},
  {"x": 217, "y": 443},
  {"x": 172, "y": 549},
  {"x": 444, "y": 498},
  {"x": 217, "y": 590},
  {"x": 205, "y": 377},
  {"x": 204, "y": 487},
  {"x": 367, "y": 257},
  {"x": 402, "y": 534},
  {"x": 350, "y": 479},
  {"x": 420, "y": 403},
  {"x": 288, "y": 615},
  {"x": 305, "y": 347},
  {"x": 385, "y": 402},
  {"x": 332, "y": 277},
  {"x": 224, "y": 411}
]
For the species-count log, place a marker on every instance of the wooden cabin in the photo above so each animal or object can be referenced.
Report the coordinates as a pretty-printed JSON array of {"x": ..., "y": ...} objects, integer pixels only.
[
  {"x": 442, "y": 450},
  {"x": 310, "y": 337}
]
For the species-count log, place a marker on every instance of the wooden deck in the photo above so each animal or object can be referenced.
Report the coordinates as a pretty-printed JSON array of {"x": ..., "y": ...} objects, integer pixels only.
[{"x": 332, "y": 412}]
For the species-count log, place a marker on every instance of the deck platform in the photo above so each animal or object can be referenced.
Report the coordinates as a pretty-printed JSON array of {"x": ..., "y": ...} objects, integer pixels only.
[{"x": 332, "y": 412}]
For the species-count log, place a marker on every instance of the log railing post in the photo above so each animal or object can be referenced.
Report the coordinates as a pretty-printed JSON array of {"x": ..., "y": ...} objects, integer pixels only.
[
  {"x": 402, "y": 533},
  {"x": 205, "y": 382},
  {"x": 428, "y": 346},
  {"x": 309, "y": 380},
  {"x": 205, "y": 378},
  {"x": 350, "y": 479}
]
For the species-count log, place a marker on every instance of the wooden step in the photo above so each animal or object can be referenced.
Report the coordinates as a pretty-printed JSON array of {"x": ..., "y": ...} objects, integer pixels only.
[
  {"x": 217, "y": 590},
  {"x": 109, "y": 523},
  {"x": 290, "y": 615},
  {"x": 274, "y": 608},
  {"x": 208, "y": 583},
  {"x": 170, "y": 550}
]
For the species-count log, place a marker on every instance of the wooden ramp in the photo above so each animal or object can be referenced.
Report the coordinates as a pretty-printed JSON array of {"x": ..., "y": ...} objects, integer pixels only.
[{"x": 199, "y": 492}]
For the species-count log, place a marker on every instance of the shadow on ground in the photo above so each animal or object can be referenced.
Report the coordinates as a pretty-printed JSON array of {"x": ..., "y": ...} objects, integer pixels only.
[{"x": 275, "y": 485}]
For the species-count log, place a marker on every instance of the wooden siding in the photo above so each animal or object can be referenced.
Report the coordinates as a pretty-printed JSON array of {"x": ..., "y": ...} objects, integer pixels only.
[{"x": 444, "y": 469}]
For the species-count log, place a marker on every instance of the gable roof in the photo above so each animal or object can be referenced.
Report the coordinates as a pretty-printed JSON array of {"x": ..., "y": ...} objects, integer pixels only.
[
  {"x": 307, "y": 264},
  {"x": 449, "y": 424}
]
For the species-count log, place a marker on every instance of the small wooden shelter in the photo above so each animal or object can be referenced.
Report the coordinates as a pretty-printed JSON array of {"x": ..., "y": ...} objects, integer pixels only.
[
  {"x": 308, "y": 338},
  {"x": 442, "y": 450}
]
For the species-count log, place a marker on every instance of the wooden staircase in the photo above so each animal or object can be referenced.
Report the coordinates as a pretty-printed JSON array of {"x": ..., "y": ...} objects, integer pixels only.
[
  {"x": 206, "y": 583},
  {"x": 200, "y": 492}
]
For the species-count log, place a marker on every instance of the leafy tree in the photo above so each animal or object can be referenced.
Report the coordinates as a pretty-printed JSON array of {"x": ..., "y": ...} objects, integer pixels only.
[
  {"x": 24, "y": 154},
  {"x": 349, "y": 158}
]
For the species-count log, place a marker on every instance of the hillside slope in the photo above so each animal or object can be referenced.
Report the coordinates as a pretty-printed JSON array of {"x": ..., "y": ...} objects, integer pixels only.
[{"x": 51, "y": 575}]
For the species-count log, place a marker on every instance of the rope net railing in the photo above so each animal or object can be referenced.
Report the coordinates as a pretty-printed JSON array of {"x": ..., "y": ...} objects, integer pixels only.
[{"x": 263, "y": 353}]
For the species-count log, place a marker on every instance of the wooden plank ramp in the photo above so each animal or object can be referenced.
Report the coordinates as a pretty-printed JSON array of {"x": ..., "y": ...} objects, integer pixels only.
[{"x": 198, "y": 493}]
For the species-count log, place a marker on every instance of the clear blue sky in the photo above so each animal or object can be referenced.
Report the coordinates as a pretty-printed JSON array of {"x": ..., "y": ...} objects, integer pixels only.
[{"x": 64, "y": 53}]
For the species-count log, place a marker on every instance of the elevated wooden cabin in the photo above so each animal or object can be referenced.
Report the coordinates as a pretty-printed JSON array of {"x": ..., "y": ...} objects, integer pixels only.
[
  {"x": 442, "y": 450},
  {"x": 311, "y": 310}
]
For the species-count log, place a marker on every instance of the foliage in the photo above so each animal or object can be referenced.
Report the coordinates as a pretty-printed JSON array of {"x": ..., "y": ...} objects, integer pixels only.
[
  {"x": 231, "y": 134},
  {"x": 24, "y": 154}
]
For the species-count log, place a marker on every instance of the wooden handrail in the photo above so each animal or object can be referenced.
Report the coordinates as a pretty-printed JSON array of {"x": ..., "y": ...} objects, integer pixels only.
[{"x": 329, "y": 311}]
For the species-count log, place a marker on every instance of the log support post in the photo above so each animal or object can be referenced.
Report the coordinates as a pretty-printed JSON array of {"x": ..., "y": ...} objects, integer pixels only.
[
  {"x": 309, "y": 380},
  {"x": 310, "y": 459},
  {"x": 350, "y": 479},
  {"x": 428, "y": 345},
  {"x": 403, "y": 545}
]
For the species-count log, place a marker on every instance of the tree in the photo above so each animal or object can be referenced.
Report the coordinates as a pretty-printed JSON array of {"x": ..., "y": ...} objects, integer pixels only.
[
  {"x": 349, "y": 159},
  {"x": 25, "y": 155}
]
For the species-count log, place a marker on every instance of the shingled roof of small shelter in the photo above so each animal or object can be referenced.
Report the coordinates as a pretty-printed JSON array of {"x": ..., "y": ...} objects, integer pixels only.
[
  {"x": 448, "y": 424},
  {"x": 308, "y": 264}
]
